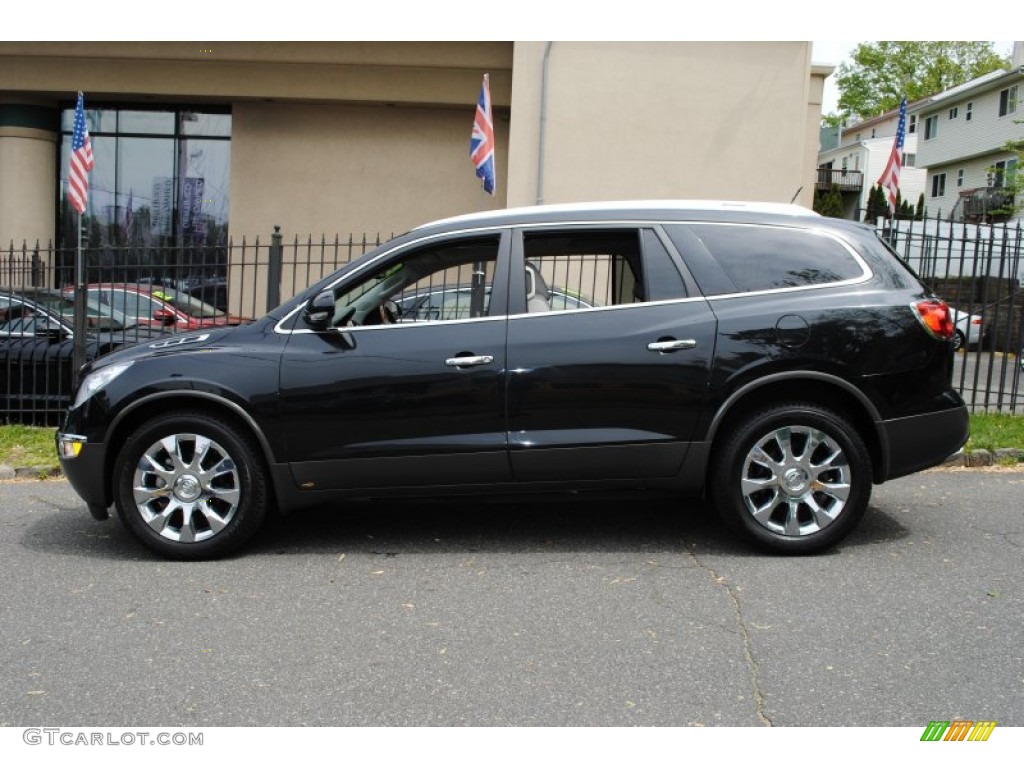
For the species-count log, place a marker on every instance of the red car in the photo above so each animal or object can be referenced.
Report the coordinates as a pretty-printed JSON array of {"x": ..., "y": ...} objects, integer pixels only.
[{"x": 158, "y": 305}]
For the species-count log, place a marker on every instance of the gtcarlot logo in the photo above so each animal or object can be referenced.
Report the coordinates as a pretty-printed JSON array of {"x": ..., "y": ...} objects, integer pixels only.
[
  {"x": 958, "y": 730},
  {"x": 83, "y": 738}
]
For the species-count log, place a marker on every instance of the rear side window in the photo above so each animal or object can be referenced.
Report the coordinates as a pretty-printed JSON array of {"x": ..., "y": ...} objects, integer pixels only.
[{"x": 761, "y": 258}]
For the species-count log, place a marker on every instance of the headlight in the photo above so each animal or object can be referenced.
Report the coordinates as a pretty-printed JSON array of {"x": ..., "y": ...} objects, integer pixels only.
[{"x": 97, "y": 380}]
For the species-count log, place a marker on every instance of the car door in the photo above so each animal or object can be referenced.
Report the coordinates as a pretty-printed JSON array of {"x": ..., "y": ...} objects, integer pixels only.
[
  {"x": 612, "y": 385},
  {"x": 375, "y": 402}
]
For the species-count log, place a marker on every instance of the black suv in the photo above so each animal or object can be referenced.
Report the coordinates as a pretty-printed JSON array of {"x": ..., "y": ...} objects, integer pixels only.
[{"x": 774, "y": 360}]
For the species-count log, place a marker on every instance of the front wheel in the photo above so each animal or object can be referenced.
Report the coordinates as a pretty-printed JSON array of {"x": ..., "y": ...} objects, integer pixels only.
[
  {"x": 190, "y": 486},
  {"x": 793, "y": 479}
]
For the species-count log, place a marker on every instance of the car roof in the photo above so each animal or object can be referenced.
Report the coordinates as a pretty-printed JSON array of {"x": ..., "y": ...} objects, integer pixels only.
[{"x": 726, "y": 210}]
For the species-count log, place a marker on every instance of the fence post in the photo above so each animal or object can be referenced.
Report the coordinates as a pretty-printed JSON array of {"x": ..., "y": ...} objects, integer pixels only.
[{"x": 274, "y": 270}]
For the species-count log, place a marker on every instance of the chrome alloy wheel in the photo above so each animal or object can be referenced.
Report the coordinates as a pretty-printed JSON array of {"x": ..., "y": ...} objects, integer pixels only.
[
  {"x": 796, "y": 481},
  {"x": 186, "y": 487}
]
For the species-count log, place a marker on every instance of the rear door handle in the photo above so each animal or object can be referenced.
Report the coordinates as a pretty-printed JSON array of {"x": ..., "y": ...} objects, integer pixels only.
[
  {"x": 671, "y": 345},
  {"x": 468, "y": 361}
]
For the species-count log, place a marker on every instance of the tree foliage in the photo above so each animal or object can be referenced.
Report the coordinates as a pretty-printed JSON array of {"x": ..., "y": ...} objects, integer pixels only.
[
  {"x": 829, "y": 203},
  {"x": 880, "y": 73}
]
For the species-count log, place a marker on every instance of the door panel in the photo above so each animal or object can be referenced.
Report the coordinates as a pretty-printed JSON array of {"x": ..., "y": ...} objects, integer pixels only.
[
  {"x": 412, "y": 401},
  {"x": 612, "y": 389}
]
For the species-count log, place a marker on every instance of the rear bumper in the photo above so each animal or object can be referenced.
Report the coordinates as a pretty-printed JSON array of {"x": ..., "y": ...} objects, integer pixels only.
[{"x": 918, "y": 442}]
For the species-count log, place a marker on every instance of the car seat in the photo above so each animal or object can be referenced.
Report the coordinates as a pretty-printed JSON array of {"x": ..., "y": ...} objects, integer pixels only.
[{"x": 537, "y": 293}]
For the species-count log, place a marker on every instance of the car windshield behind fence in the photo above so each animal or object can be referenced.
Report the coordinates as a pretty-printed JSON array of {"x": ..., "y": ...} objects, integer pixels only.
[{"x": 136, "y": 294}]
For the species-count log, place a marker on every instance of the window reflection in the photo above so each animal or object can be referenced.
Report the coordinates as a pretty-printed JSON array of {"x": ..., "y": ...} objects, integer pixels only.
[{"x": 161, "y": 178}]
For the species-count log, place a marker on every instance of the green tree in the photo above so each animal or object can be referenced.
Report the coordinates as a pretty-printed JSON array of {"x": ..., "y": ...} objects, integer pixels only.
[
  {"x": 829, "y": 203},
  {"x": 877, "y": 204},
  {"x": 919, "y": 213},
  {"x": 1013, "y": 180},
  {"x": 880, "y": 73}
]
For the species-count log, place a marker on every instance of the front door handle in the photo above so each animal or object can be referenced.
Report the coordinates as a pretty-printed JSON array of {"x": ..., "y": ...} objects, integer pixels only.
[
  {"x": 467, "y": 361},
  {"x": 671, "y": 345}
]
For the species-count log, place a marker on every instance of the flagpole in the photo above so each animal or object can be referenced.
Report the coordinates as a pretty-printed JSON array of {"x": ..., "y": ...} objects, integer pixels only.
[{"x": 78, "y": 349}]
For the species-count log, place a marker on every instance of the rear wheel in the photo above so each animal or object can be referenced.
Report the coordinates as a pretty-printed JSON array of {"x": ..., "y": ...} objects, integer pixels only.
[
  {"x": 794, "y": 478},
  {"x": 959, "y": 342},
  {"x": 190, "y": 486}
]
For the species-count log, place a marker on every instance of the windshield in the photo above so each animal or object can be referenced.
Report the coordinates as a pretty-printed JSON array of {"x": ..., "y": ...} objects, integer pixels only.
[{"x": 190, "y": 305}]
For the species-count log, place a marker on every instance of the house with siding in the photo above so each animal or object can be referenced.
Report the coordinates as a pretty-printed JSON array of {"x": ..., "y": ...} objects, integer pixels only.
[
  {"x": 858, "y": 159},
  {"x": 962, "y": 137}
]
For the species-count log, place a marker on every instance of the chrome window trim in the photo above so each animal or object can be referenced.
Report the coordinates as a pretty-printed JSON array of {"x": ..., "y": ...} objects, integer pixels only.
[
  {"x": 866, "y": 273},
  {"x": 610, "y": 307}
]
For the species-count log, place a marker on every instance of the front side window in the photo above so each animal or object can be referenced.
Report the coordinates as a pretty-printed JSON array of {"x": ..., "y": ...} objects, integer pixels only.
[{"x": 448, "y": 281}]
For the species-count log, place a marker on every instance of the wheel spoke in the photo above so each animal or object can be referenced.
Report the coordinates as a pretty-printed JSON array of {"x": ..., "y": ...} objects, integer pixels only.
[
  {"x": 186, "y": 487},
  {"x": 792, "y": 525},
  {"x": 796, "y": 480}
]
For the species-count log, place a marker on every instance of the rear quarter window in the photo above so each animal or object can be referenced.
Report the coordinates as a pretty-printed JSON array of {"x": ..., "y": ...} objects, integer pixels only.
[{"x": 762, "y": 258}]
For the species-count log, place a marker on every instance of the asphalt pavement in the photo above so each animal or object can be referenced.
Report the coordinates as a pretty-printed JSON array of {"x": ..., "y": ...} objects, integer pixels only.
[{"x": 628, "y": 612}]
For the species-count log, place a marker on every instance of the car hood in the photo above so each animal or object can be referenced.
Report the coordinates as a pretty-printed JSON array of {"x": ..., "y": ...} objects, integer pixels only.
[{"x": 168, "y": 344}]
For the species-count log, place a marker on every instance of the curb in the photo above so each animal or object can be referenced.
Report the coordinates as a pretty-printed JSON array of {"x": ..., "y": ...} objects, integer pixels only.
[
  {"x": 27, "y": 473},
  {"x": 979, "y": 457}
]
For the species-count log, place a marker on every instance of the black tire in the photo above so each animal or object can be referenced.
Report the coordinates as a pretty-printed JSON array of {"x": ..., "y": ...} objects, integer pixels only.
[
  {"x": 792, "y": 479},
  {"x": 218, "y": 493},
  {"x": 959, "y": 342}
]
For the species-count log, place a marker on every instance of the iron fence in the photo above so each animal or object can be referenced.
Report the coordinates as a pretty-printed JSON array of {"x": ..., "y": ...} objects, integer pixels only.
[
  {"x": 978, "y": 269},
  {"x": 136, "y": 293},
  {"x": 133, "y": 294}
]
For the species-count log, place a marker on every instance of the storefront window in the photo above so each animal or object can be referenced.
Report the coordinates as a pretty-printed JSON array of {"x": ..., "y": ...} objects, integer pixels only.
[{"x": 161, "y": 178}]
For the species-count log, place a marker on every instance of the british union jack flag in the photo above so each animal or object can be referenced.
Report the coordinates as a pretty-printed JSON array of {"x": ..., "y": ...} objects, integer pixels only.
[{"x": 481, "y": 145}]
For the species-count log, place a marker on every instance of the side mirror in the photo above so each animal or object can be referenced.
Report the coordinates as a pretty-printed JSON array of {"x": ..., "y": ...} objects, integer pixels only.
[
  {"x": 164, "y": 317},
  {"x": 319, "y": 311},
  {"x": 50, "y": 329}
]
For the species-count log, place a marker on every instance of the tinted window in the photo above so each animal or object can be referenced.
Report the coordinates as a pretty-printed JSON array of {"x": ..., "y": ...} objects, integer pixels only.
[{"x": 758, "y": 258}]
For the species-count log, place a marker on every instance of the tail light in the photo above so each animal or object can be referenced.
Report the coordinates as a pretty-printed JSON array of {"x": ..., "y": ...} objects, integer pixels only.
[{"x": 936, "y": 318}]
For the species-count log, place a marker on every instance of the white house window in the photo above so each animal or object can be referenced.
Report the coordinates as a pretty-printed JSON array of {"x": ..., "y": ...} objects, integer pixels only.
[
  {"x": 938, "y": 185},
  {"x": 1008, "y": 101},
  {"x": 931, "y": 127},
  {"x": 1005, "y": 170},
  {"x": 969, "y": 111},
  {"x": 960, "y": 177},
  {"x": 953, "y": 112},
  {"x": 912, "y": 128},
  {"x": 909, "y": 160}
]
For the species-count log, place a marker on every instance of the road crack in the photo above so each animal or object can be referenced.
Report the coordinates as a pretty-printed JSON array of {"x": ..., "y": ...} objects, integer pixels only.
[{"x": 748, "y": 652}]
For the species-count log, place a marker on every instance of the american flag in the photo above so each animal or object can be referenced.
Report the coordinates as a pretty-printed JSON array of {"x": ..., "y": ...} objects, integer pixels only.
[
  {"x": 890, "y": 178},
  {"x": 81, "y": 161},
  {"x": 481, "y": 145}
]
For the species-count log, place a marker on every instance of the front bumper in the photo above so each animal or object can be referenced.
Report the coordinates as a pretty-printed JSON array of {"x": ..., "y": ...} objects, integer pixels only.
[{"x": 83, "y": 465}]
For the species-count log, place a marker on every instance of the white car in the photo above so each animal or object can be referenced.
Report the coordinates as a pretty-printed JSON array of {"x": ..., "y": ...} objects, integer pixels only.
[{"x": 970, "y": 329}]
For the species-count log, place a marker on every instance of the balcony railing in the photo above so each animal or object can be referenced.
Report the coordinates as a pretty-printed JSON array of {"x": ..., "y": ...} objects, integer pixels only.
[
  {"x": 843, "y": 180},
  {"x": 983, "y": 205}
]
